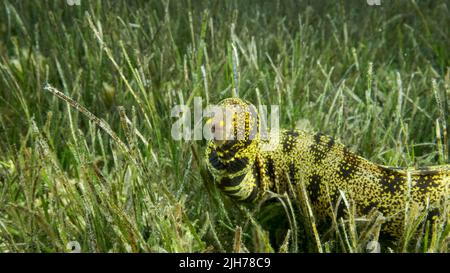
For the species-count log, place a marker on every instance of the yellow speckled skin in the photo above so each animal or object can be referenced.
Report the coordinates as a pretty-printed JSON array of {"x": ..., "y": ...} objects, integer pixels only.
[{"x": 246, "y": 172}]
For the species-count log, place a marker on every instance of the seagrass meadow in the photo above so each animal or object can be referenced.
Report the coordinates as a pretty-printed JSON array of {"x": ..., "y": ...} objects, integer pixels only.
[{"x": 86, "y": 91}]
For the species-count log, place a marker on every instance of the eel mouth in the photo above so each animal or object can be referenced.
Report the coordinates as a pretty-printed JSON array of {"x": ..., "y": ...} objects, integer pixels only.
[{"x": 220, "y": 132}]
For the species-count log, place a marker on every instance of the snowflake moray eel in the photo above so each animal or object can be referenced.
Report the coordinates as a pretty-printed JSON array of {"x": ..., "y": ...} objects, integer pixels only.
[{"x": 245, "y": 171}]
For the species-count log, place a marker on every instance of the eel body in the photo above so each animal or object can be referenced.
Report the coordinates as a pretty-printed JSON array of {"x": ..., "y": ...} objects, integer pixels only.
[{"x": 245, "y": 171}]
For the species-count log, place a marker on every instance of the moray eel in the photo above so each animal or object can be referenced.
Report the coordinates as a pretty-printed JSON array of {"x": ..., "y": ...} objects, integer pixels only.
[{"x": 245, "y": 166}]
